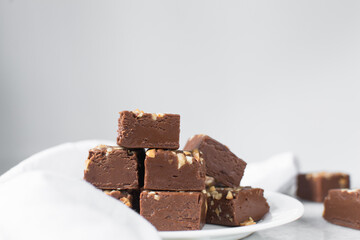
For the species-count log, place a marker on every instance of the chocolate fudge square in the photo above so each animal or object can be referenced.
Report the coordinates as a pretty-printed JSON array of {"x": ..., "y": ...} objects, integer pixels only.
[
  {"x": 148, "y": 130},
  {"x": 221, "y": 164},
  {"x": 113, "y": 167},
  {"x": 174, "y": 211},
  {"x": 342, "y": 207},
  {"x": 315, "y": 186},
  {"x": 238, "y": 206},
  {"x": 174, "y": 170}
]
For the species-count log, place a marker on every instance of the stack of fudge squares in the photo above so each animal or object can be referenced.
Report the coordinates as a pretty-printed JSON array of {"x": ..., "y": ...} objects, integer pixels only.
[{"x": 173, "y": 189}]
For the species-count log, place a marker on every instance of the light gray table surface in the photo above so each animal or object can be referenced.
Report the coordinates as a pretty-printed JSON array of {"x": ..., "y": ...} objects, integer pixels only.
[{"x": 310, "y": 226}]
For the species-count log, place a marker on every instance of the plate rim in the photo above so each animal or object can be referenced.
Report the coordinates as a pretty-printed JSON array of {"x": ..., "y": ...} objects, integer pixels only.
[{"x": 298, "y": 212}]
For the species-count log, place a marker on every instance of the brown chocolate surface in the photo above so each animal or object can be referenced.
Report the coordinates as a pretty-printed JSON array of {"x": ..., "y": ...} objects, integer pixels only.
[
  {"x": 174, "y": 170},
  {"x": 342, "y": 207},
  {"x": 145, "y": 130},
  {"x": 174, "y": 211},
  {"x": 114, "y": 167},
  {"x": 221, "y": 164},
  {"x": 238, "y": 206},
  {"x": 315, "y": 186}
]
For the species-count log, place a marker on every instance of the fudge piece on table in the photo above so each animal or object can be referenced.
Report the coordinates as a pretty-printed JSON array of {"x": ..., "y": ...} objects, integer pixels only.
[
  {"x": 174, "y": 211},
  {"x": 110, "y": 167},
  {"x": 342, "y": 207},
  {"x": 174, "y": 170},
  {"x": 221, "y": 164},
  {"x": 238, "y": 206},
  {"x": 145, "y": 130},
  {"x": 315, "y": 186}
]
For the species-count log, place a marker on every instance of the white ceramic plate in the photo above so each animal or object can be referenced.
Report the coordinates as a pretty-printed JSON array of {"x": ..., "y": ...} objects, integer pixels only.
[{"x": 283, "y": 209}]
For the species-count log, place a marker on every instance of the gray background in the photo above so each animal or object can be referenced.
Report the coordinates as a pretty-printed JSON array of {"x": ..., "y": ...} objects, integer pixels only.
[{"x": 263, "y": 77}]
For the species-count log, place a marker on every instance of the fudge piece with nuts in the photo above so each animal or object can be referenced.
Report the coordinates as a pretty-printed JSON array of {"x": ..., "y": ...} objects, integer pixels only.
[
  {"x": 174, "y": 170},
  {"x": 342, "y": 207},
  {"x": 113, "y": 167},
  {"x": 128, "y": 197},
  {"x": 221, "y": 164},
  {"x": 315, "y": 186},
  {"x": 148, "y": 130},
  {"x": 174, "y": 211},
  {"x": 240, "y": 206}
]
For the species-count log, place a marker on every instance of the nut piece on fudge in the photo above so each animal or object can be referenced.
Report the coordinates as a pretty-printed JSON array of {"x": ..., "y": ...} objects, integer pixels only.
[
  {"x": 342, "y": 207},
  {"x": 113, "y": 167},
  {"x": 148, "y": 130},
  {"x": 124, "y": 196},
  {"x": 315, "y": 186},
  {"x": 174, "y": 211},
  {"x": 174, "y": 170},
  {"x": 221, "y": 164},
  {"x": 238, "y": 206}
]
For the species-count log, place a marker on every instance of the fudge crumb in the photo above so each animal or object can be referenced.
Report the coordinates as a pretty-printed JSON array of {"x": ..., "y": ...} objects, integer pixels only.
[
  {"x": 248, "y": 222},
  {"x": 125, "y": 201}
]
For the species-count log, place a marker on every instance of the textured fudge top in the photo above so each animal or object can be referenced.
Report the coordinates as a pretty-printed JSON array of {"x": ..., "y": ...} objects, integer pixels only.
[
  {"x": 354, "y": 193},
  {"x": 148, "y": 130},
  {"x": 324, "y": 175},
  {"x": 138, "y": 113},
  {"x": 229, "y": 193},
  {"x": 157, "y": 194},
  {"x": 106, "y": 148},
  {"x": 101, "y": 148},
  {"x": 183, "y": 157},
  {"x": 351, "y": 191}
]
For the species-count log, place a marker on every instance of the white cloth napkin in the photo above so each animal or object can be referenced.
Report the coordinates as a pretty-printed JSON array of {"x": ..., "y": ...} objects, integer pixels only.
[
  {"x": 278, "y": 173},
  {"x": 45, "y": 197}
]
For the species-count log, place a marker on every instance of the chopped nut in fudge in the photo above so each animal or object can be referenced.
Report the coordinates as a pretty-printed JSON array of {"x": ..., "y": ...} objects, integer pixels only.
[{"x": 122, "y": 195}]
